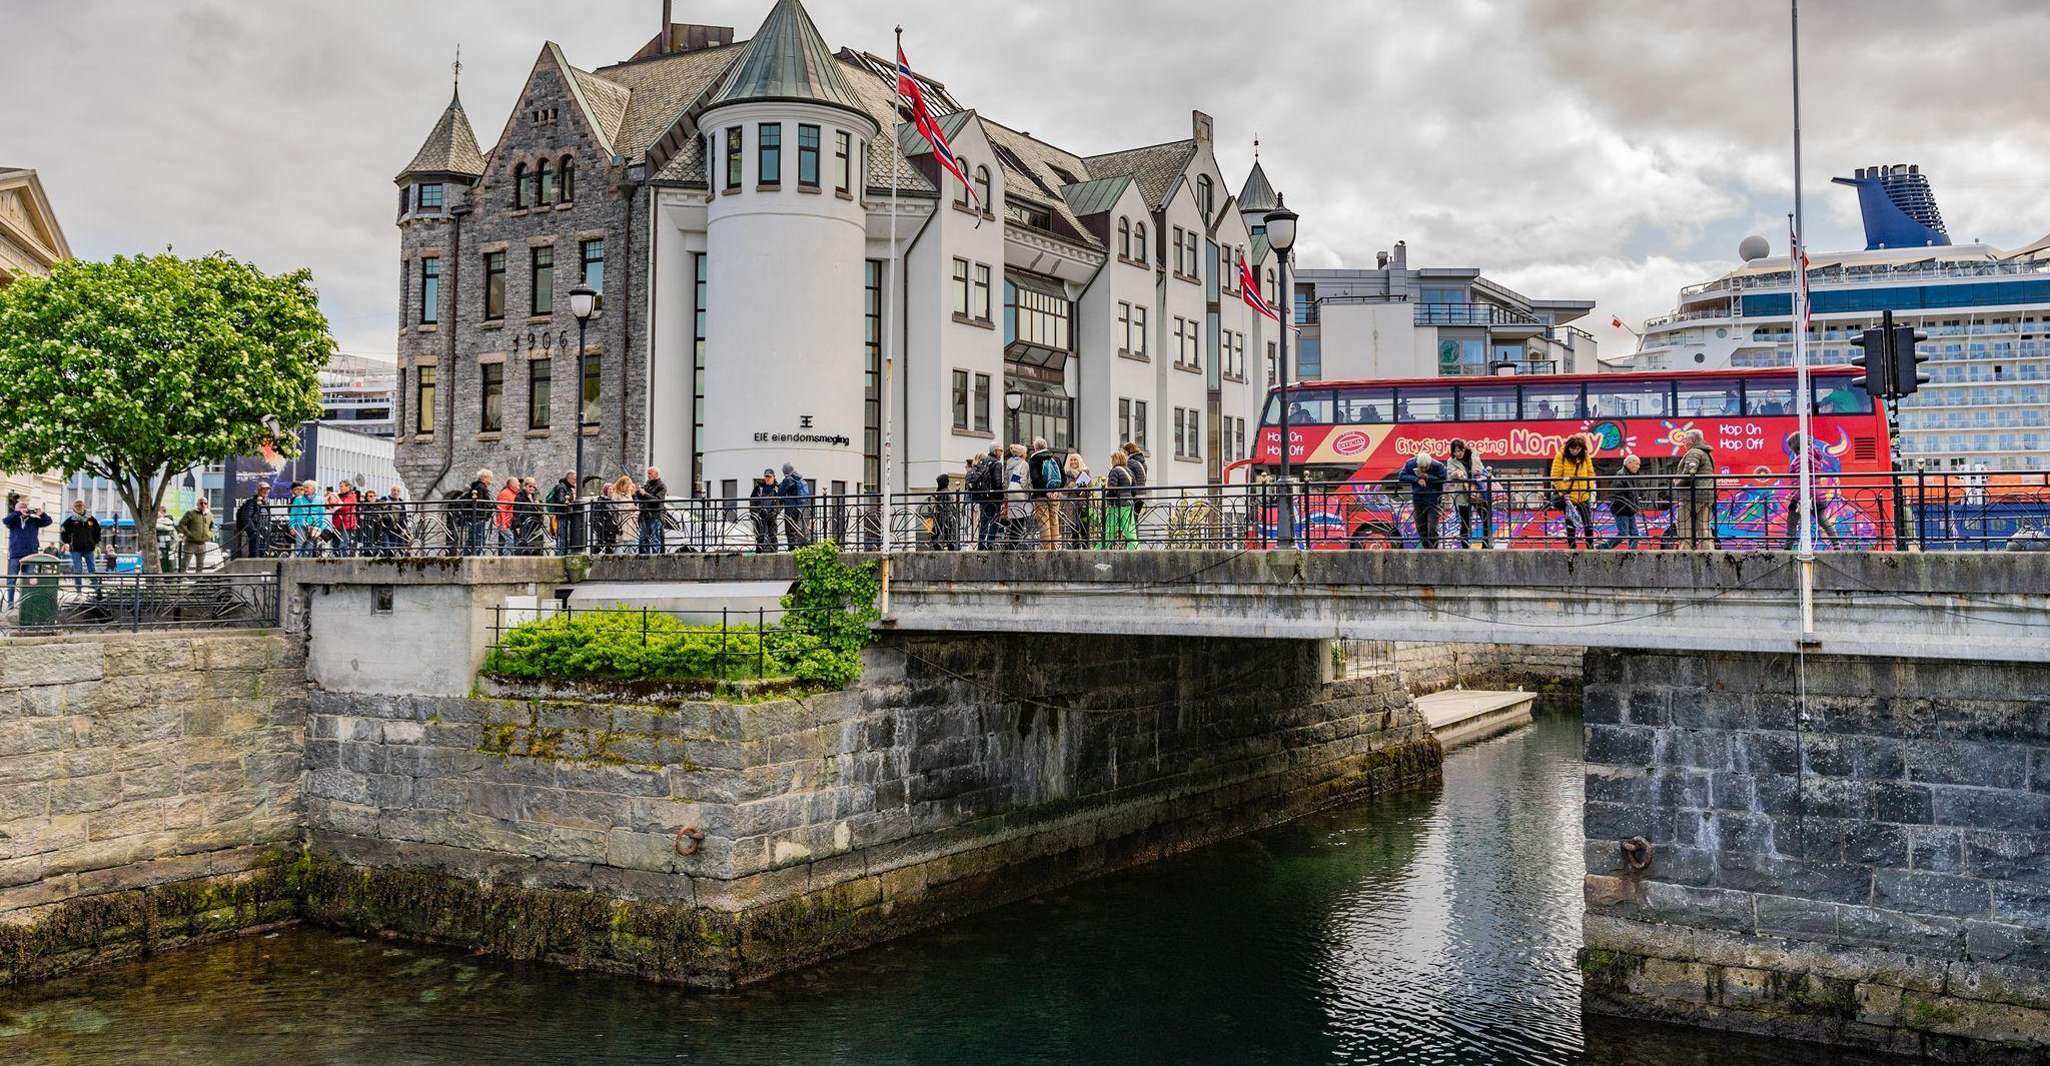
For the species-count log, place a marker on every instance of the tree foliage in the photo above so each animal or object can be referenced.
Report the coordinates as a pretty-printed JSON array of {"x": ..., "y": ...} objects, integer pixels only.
[{"x": 141, "y": 367}]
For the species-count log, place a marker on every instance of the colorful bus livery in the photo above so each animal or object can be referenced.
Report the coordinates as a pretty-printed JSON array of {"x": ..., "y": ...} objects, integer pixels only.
[{"x": 1348, "y": 440}]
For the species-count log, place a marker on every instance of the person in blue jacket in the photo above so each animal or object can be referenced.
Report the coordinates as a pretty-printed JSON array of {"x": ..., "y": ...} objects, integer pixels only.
[
  {"x": 796, "y": 496},
  {"x": 1425, "y": 477},
  {"x": 23, "y": 536}
]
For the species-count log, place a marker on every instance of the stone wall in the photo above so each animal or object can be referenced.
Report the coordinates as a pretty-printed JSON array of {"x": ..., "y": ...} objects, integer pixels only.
[
  {"x": 1874, "y": 870},
  {"x": 142, "y": 777},
  {"x": 718, "y": 843}
]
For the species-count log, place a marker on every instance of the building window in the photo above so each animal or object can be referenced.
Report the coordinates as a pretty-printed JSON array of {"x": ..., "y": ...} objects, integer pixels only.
[
  {"x": 1139, "y": 344},
  {"x": 961, "y": 195},
  {"x": 1189, "y": 256},
  {"x": 519, "y": 186},
  {"x": 1037, "y": 317},
  {"x": 961, "y": 287},
  {"x": 1203, "y": 195},
  {"x": 1273, "y": 367},
  {"x": 430, "y": 290},
  {"x": 491, "y": 411},
  {"x": 423, "y": 398},
  {"x": 843, "y": 160},
  {"x": 430, "y": 196},
  {"x": 1139, "y": 424},
  {"x": 494, "y": 284},
  {"x": 568, "y": 179},
  {"x": 960, "y": 399},
  {"x": 1188, "y": 433},
  {"x": 1124, "y": 326},
  {"x": 1124, "y": 420},
  {"x": 1178, "y": 244},
  {"x": 405, "y": 198},
  {"x": 872, "y": 374},
  {"x": 982, "y": 403},
  {"x": 1180, "y": 435},
  {"x": 1140, "y": 250},
  {"x": 540, "y": 391},
  {"x": 808, "y": 156},
  {"x": 593, "y": 377},
  {"x": 769, "y": 153},
  {"x": 543, "y": 281},
  {"x": 1124, "y": 237},
  {"x": 591, "y": 258},
  {"x": 733, "y": 149},
  {"x": 982, "y": 187},
  {"x": 1188, "y": 339},
  {"x": 544, "y": 184},
  {"x": 982, "y": 292}
]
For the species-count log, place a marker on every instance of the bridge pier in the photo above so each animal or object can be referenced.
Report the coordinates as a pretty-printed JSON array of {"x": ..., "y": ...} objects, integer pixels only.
[{"x": 1868, "y": 865}]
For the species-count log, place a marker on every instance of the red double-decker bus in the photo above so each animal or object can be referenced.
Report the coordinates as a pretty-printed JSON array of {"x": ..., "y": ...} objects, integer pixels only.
[{"x": 1348, "y": 440}]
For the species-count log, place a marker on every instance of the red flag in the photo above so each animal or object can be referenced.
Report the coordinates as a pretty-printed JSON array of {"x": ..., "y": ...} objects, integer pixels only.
[
  {"x": 1249, "y": 287},
  {"x": 907, "y": 87},
  {"x": 1617, "y": 322}
]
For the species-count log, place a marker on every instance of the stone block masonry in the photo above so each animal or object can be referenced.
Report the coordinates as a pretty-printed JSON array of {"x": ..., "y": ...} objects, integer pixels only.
[
  {"x": 143, "y": 777},
  {"x": 719, "y": 843},
  {"x": 1871, "y": 870}
]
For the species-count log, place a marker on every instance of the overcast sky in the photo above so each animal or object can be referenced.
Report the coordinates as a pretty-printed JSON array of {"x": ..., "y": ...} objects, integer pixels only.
[{"x": 1611, "y": 150}]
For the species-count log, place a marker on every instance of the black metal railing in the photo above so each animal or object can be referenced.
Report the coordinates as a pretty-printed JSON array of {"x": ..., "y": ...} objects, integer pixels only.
[
  {"x": 1863, "y": 511},
  {"x": 60, "y": 600}
]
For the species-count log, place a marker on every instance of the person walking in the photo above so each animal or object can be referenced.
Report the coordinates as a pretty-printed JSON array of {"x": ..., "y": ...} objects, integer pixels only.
[
  {"x": 563, "y": 517},
  {"x": 651, "y": 496},
  {"x": 763, "y": 503},
  {"x": 252, "y": 523},
  {"x": 1119, "y": 529},
  {"x": 305, "y": 515},
  {"x": 23, "y": 538},
  {"x": 80, "y": 536},
  {"x": 1017, "y": 498},
  {"x": 1694, "y": 502},
  {"x": 1472, "y": 487},
  {"x": 1043, "y": 467},
  {"x": 1572, "y": 487},
  {"x": 1626, "y": 501},
  {"x": 1079, "y": 506},
  {"x": 796, "y": 496},
  {"x": 1426, "y": 478},
  {"x": 986, "y": 492},
  {"x": 195, "y": 532}
]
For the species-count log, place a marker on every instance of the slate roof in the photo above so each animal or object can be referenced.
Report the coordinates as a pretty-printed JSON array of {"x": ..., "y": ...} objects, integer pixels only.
[
  {"x": 786, "y": 60},
  {"x": 1258, "y": 194},
  {"x": 450, "y": 148},
  {"x": 607, "y": 101},
  {"x": 1157, "y": 168},
  {"x": 660, "y": 89}
]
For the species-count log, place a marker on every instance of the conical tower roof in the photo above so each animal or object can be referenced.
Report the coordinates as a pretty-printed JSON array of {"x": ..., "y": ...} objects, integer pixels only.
[
  {"x": 1258, "y": 195},
  {"x": 450, "y": 149},
  {"x": 786, "y": 60}
]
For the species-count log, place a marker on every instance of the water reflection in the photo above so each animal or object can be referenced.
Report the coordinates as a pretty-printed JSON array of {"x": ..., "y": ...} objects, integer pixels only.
[{"x": 1437, "y": 927}]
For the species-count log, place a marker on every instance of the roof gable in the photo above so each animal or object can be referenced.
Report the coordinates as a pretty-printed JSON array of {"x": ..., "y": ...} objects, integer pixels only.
[
  {"x": 1158, "y": 168},
  {"x": 25, "y": 212}
]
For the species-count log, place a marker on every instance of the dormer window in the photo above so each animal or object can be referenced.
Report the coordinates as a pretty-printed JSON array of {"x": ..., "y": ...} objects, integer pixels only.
[{"x": 430, "y": 196}]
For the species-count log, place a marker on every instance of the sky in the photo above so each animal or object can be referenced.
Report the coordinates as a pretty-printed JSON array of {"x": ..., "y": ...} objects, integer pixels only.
[{"x": 1611, "y": 150}]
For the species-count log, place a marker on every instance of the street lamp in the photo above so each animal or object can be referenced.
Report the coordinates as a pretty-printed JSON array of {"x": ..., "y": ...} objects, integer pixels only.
[
  {"x": 583, "y": 301},
  {"x": 1280, "y": 224},
  {"x": 1013, "y": 401}
]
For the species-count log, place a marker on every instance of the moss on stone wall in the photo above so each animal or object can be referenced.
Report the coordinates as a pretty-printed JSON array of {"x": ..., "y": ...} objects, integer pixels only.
[{"x": 532, "y": 730}]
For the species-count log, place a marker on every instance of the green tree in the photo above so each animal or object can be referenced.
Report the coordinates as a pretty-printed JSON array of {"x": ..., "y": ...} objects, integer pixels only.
[{"x": 140, "y": 368}]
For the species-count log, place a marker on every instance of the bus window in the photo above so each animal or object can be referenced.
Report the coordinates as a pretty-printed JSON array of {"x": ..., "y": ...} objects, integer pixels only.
[
  {"x": 1709, "y": 399},
  {"x": 1427, "y": 404},
  {"x": 1366, "y": 407},
  {"x": 1550, "y": 402},
  {"x": 1628, "y": 399},
  {"x": 1487, "y": 403},
  {"x": 1836, "y": 396},
  {"x": 1304, "y": 408},
  {"x": 1769, "y": 397}
]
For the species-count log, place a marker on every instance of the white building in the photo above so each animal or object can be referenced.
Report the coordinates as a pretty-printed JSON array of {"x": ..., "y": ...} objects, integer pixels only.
[{"x": 753, "y": 188}]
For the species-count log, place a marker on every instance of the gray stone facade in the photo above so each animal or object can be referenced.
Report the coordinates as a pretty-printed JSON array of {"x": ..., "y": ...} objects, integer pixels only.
[
  {"x": 1873, "y": 872},
  {"x": 961, "y": 773},
  {"x": 546, "y": 124}
]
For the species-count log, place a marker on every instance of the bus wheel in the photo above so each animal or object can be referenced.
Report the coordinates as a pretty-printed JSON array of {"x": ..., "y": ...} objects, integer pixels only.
[{"x": 1371, "y": 539}]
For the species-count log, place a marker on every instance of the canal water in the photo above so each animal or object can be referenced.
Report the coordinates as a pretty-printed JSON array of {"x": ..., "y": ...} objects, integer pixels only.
[{"x": 1433, "y": 927}]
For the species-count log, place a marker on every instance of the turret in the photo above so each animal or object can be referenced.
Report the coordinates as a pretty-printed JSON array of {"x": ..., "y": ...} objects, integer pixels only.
[{"x": 447, "y": 164}]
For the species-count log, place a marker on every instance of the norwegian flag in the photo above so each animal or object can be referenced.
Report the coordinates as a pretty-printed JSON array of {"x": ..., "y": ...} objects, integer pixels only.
[
  {"x": 1249, "y": 286},
  {"x": 907, "y": 87},
  {"x": 1800, "y": 259}
]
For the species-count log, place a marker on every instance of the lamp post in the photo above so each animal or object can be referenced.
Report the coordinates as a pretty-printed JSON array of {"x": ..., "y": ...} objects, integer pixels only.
[
  {"x": 583, "y": 301},
  {"x": 1013, "y": 401},
  {"x": 1280, "y": 224}
]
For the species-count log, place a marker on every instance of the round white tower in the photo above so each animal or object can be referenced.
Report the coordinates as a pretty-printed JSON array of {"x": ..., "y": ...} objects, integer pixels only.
[{"x": 786, "y": 271}]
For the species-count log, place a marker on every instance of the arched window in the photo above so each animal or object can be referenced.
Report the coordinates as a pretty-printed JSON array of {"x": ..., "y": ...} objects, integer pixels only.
[
  {"x": 568, "y": 179},
  {"x": 982, "y": 187},
  {"x": 519, "y": 185},
  {"x": 961, "y": 198},
  {"x": 544, "y": 185},
  {"x": 1140, "y": 249},
  {"x": 1203, "y": 194},
  {"x": 1124, "y": 237}
]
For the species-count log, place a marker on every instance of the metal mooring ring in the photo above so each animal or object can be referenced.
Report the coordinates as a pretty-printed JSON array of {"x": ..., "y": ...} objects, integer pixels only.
[
  {"x": 1637, "y": 853},
  {"x": 694, "y": 835}
]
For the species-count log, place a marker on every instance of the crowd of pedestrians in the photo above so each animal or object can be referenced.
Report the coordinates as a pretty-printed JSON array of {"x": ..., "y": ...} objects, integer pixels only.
[{"x": 1041, "y": 497}]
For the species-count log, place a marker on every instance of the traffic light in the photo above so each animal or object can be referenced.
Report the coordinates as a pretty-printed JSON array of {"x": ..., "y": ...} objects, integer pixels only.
[
  {"x": 1876, "y": 362},
  {"x": 1905, "y": 359}
]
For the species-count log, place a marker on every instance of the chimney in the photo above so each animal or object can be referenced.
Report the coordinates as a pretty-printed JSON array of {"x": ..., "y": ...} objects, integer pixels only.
[
  {"x": 665, "y": 27},
  {"x": 1203, "y": 126},
  {"x": 1401, "y": 257},
  {"x": 1380, "y": 260}
]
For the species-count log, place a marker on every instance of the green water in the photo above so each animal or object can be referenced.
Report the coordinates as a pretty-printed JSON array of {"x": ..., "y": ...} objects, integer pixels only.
[{"x": 1435, "y": 927}]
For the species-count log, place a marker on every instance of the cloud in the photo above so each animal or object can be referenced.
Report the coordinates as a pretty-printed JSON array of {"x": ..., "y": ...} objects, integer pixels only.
[{"x": 1571, "y": 149}]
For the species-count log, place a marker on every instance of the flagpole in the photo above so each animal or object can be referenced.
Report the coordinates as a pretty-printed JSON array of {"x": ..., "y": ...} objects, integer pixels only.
[
  {"x": 1805, "y": 401},
  {"x": 890, "y": 319}
]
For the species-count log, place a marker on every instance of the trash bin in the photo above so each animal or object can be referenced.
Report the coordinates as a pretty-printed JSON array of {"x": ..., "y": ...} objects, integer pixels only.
[{"x": 39, "y": 580}]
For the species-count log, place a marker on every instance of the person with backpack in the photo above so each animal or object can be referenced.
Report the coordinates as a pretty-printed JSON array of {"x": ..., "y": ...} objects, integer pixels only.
[
  {"x": 1044, "y": 465},
  {"x": 796, "y": 496},
  {"x": 1572, "y": 488},
  {"x": 1694, "y": 502},
  {"x": 252, "y": 523},
  {"x": 1426, "y": 477},
  {"x": 986, "y": 491}
]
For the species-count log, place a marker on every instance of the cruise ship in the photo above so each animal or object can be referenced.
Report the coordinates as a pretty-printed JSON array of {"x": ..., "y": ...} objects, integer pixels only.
[{"x": 1986, "y": 312}]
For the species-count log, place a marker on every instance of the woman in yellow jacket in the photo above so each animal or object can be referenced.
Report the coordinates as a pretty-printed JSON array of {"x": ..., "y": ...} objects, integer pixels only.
[{"x": 1572, "y": 486}]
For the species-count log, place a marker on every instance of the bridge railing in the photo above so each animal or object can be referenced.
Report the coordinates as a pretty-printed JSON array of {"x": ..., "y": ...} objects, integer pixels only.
[
  {"x": 1857, "y": 512},
  {"x": 39, "y": 603}
]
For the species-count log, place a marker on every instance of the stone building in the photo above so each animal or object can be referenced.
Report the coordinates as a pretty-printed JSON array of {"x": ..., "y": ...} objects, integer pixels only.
[
  {"x": 734, "y": 201},
  {"x": 31, "y": 242}
]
